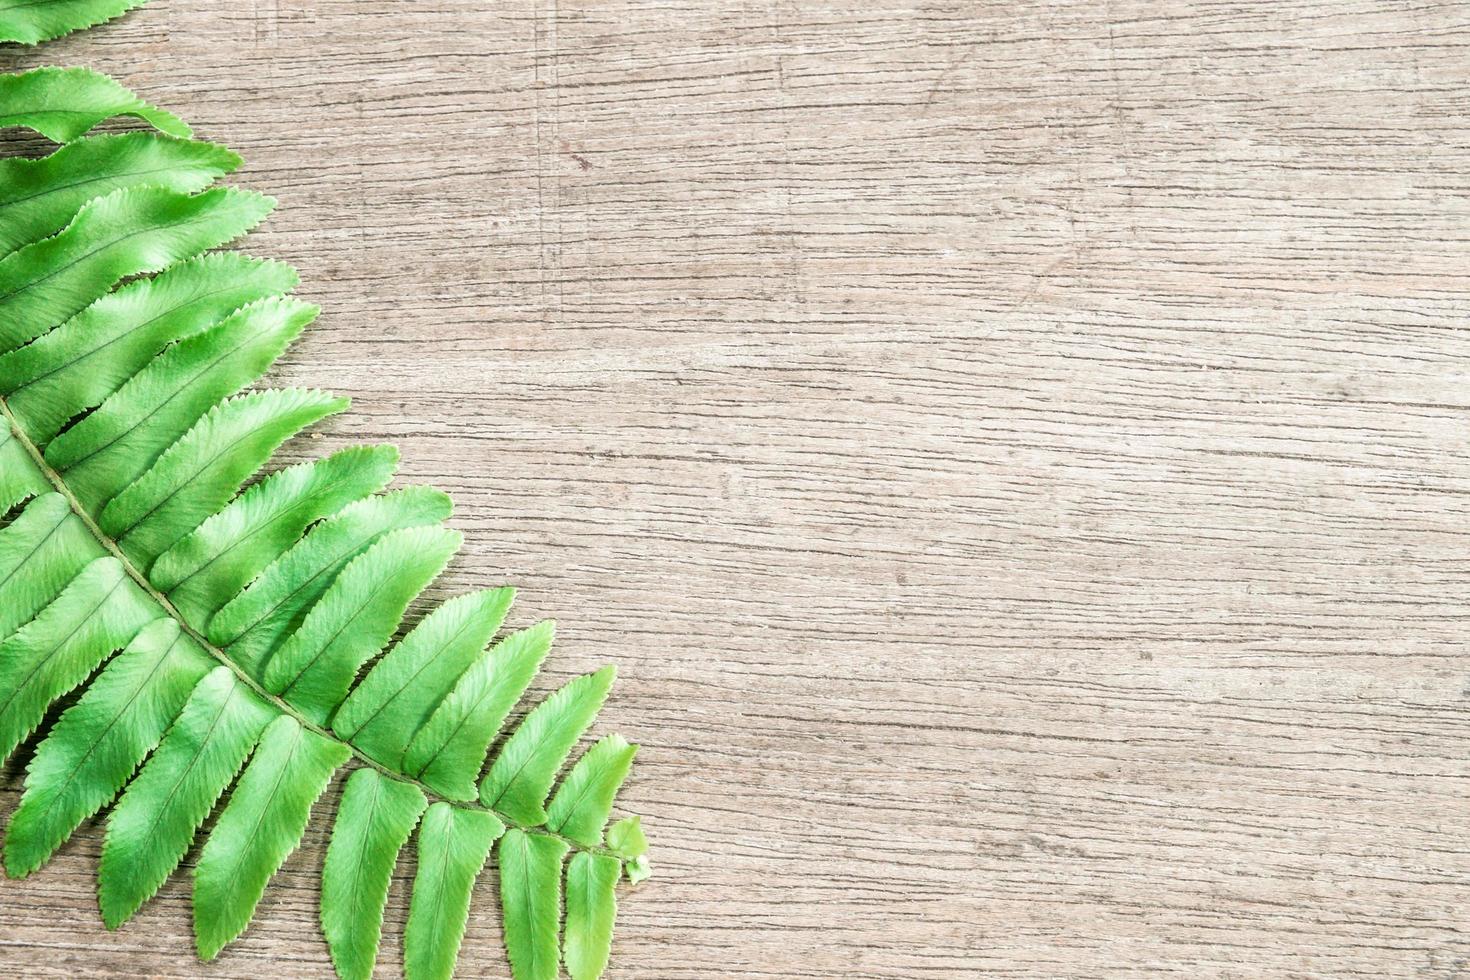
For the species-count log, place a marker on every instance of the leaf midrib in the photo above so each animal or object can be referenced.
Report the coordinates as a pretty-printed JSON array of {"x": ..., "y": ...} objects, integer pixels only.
[{"x": 133, "y": 572}]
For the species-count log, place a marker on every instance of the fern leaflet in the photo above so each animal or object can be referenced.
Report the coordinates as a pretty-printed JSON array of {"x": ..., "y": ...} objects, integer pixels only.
[{"x": 34, "y": 21}]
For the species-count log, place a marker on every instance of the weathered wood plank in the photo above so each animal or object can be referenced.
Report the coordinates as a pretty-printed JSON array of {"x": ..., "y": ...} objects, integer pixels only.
[{"x": 1014, "y": 451}]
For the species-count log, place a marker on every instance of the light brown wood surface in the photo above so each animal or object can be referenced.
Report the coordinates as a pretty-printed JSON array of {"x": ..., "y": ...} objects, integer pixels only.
[{"x": 1015, "y": 452}]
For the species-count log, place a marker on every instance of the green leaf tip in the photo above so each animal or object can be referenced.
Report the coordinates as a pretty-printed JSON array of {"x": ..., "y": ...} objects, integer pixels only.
[
  {"x": 63, "y": 103},
  {"x": 31, "y": 22},
  {"x": 625, "y": 839}
]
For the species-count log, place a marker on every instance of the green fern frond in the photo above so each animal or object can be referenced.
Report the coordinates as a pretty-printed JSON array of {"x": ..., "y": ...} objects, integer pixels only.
[{"x": 225, "y": 632}]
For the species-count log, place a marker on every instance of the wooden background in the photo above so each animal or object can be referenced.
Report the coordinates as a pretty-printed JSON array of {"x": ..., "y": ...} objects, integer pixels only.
[{"x": 1014, "y": 450}]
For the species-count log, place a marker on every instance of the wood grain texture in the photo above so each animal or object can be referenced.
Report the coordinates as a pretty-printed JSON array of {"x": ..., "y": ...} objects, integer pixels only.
[{"x": 1014, "y": 451}]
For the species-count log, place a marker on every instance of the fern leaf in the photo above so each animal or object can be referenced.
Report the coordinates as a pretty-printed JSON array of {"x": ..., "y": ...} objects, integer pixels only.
[
  {"x": 253, "y": 622},
  {"x": 374, "y": 821},
  {"x": 91, "y": 355},
  {"x": 39, "y": 196},
  {"x": 453, "y": 845},
  {"x": 206, "y": 467},
  {"x": 626, "y": 839},
  {"x": 592, "y": 906},
  {"x": 40, "y": 552},
  {"x": 232, "y": 547},
  {"x": 522, "y": 774},
  {"x": 155, "y": 821},
  {"x": 93, "y": 750},
  {"x": 34, "y": 21},
  {"x": 448, "y": 752},
  {"x": 63, "y": 103},
  {"x": 354, "y": 619},
  {"x": 382, "y": 713},
  {"x": 97, "y": 613},
  {"x": 580, "y": 808},
  {"x": 127, "y": 233},
  {"x": 530, "y": 898},
  {"x": 115, "y": 444},
  {"x": 260, "y": 826},
  {"x": 20, "y": 478}
]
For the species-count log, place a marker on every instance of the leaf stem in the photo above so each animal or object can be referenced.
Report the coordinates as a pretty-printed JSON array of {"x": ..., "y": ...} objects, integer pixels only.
[{"x": 56, "y": 481}]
